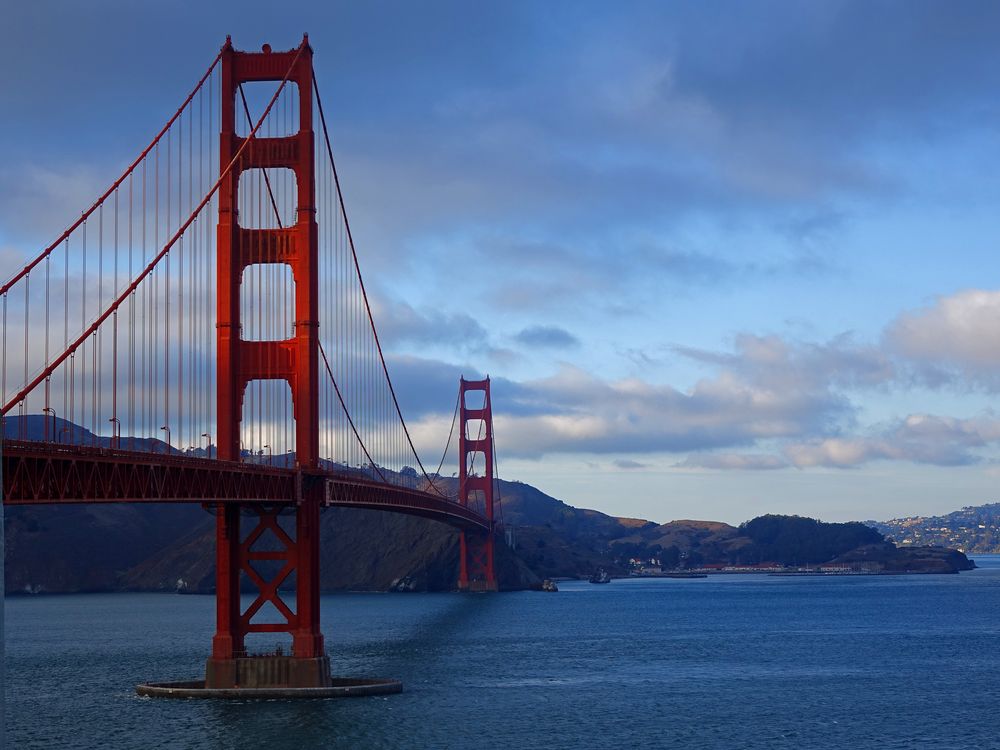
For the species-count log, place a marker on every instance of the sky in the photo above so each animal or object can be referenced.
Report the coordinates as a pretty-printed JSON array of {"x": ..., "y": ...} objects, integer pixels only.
[{"x": 719, "y": 259}]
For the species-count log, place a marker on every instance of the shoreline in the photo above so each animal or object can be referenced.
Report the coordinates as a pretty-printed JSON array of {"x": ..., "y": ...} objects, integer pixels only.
[{"x": 697, "y": 573}]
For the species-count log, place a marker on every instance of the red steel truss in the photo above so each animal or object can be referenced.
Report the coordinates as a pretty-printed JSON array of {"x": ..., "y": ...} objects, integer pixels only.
[{"x": 38, "y": 473}]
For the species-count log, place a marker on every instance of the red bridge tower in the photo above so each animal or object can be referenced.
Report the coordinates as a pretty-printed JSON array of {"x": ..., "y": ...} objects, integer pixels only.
[
  {"x": 295, "y": 360},
  {"x": 476, "y": 570}
]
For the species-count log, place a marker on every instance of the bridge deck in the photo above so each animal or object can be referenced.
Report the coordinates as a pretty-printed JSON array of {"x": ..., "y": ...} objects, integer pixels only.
[{"x": 38, "y": 473}]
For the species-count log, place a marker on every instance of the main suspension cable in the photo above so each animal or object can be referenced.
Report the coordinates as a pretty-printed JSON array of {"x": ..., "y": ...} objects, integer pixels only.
[
  {"x": 48, "y": 370},
  {"x": 114, "y": 186},
  {"x": 454, "y": 418}
]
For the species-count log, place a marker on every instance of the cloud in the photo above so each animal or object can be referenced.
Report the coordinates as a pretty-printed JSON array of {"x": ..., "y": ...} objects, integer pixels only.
[
  {"x": 574, "y": 411},
  {"x": 400, "y": 322},
  {"x": 734, "y": 461},
  {"x": 920, "y": 438},
  {"x": 952, "y": 343},
  {"x": 530, "y": 270},
  {"x": 425, "y": 386},
  {"x": 551, "y": 337},
  {"x": 12, "y": 260},
  {"x": 577, "y": 412},
  {"x": 627, "y": 463},
  {"x": 813, "y": 225},
  {"x": 958, "y": 336},
  {"x": 782, "y": 364},
  {"x": 797, "y": 396},
  {"x": 37, "y": 203},
  {"x": 629, "y": 122},
  {"x": 811, "y": 86}
]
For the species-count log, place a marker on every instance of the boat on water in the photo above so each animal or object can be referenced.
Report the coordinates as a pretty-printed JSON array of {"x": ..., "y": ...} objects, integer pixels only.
[{"x": 601, "y": 576}]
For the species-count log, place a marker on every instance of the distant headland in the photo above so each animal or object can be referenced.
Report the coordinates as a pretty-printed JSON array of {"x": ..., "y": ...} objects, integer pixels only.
[{"x": 171, "y": 548}]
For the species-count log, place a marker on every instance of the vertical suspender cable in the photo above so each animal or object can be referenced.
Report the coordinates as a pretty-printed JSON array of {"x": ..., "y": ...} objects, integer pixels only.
[
  {"x": 166, "y": 295},
  {"x": 361, "y": 284},
  {"x": 98, "y": 350},
  {"x": 48, "y": 381},
  {"x": 83, "y": 320},
  {"x": 131, "y": 329},
  {"x": 114, "y": 340},
  {"x": 28, "y": 388}
]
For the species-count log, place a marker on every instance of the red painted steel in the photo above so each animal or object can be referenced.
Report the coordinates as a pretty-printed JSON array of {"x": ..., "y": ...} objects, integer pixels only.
[
  {"x": 37, "y": 473},
  {"x": 295, "y": 360},
  {"x": 476, "y": 553}
]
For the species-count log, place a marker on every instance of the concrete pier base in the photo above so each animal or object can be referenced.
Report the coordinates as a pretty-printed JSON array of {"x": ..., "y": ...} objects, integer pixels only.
[
  {"x": 339, "y": 687},
  {"x": 479, "y": 586},
  {"x": 267, "y": 671},
  {"x": 270, "y": 677}
]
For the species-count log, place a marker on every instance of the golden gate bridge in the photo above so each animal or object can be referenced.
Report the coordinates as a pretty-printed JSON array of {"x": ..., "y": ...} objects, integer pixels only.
[{"x": 202, "y": 334}]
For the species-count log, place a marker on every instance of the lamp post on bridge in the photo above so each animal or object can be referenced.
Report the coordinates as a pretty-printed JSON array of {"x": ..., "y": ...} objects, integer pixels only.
[
  {"x": 166, "y": 429},
  {"x": 116, "y": 431},
  {"x": 208, "y": 450}
]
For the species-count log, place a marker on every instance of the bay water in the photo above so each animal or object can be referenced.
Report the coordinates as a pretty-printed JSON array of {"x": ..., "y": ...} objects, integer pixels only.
[{"x": 730, "y": 661}]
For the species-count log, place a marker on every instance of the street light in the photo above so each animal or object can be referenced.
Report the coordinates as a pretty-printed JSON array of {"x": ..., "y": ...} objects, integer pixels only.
[
  {"x": 116, "y": 431},
  {"x": 167, "y": 430},
  {"x": 209, "y": 449},
  {"x": 269, "y": 454},
  {"x": 46, "y": 410}
]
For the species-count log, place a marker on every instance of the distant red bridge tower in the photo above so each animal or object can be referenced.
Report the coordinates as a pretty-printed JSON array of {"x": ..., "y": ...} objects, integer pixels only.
[{"x": 476, "y": 561}]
